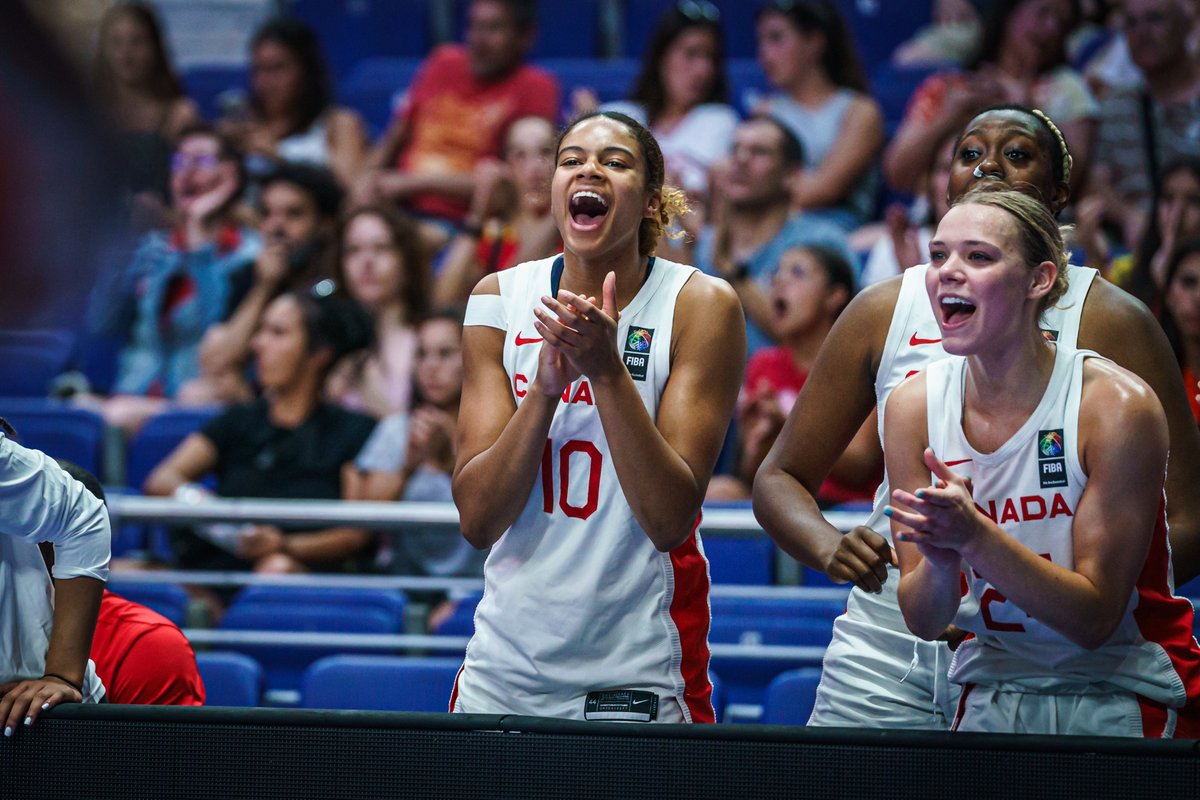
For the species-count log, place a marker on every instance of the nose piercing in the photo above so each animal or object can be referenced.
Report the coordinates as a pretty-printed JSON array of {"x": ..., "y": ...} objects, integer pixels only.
[{"x": 978, "y": 173}]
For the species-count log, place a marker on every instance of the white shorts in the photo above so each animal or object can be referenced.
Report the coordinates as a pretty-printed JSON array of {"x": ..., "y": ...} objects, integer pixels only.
[
  {"x": 1011, "y": 709},
  {"x": 875, "y": 676}
]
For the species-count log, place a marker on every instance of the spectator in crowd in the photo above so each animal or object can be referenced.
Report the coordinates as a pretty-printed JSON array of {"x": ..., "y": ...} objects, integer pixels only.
[
  {"x": 1021, "y": 59},
  {"x": 905, "y": 242},
  {"x": 140, "y": 655},
  {"x": 411, "y": 456},
  {"x": 807, "y": 54},
  {"x": 1181, "y": 314},
  {"x": 808, "y": 291},
  {"x": 1144, "y": 128},
  {"x": 682, "y": 95},
  {"x": 1176, "y": 217},
  {"x": 290, "y": 115},
  {"x": 178, "y": 283},
  {"x": 383, "y": 268},
  {"x": 47, "y": 624},
  {"x": 456, "y": 112},
  {"x": 136, "y": 84},
  {"x": 298, "y": 207},
  {"x": 754, "y": 220},
  {"x": 287, "y": 444},
  {"x": 509, "y": 221},
  {"x": 949, "y": 39}
]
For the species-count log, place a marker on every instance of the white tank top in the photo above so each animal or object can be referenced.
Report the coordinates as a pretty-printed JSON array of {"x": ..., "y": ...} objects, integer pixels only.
[
  {"x": 1031, "y": 486},
  {"x": 576, "y": 597},
  {"x": 913, "y": 343}
]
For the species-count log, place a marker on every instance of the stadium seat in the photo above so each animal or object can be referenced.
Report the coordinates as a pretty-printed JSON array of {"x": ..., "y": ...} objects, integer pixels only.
[
  {"x": 718, "y": 696},
  {"x": 462, "y": 621},
  {"x": 755, "y": 630},
  {"x": 609, "y": 79},
  {"x": 380, "y": 683},
  {"x": 230, "y": 679},
  {"x": 168, "y": 599},
  {"x": 790, "y": 697},
  {"x": 740, "y": 559},
  {"x": 213, "y": 86},
  {"x": 351, "y": 30},
  {"x": 266, "y": 608},
  {"x": 374, "y": 86},
  {"x": 58, "y": 429},
  {"x": 30, "y": 360},
  {"x": 158, "y": 437},
  {"x": 879, "y": 26},
  {"x": 821, "y": 608}
]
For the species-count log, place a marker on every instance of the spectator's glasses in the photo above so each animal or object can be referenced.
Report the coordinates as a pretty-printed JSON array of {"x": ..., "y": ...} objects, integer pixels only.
[
  {"x": 182, "y": 161},
  {"x": 699, "y": 11},
  {"x": 805, "y": 8}
]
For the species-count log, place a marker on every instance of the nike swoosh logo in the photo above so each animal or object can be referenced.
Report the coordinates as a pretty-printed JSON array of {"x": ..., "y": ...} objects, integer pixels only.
[
  {"x": 956, "y": 463},
  {"x": 916, "y": 340},
  {"x": 521, "y": 340},
  {"x": 639, "y": 702}
]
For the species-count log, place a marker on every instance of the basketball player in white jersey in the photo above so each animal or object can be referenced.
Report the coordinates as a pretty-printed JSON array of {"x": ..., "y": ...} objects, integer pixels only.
[
  {"x": 876, "y": 673},
  {"x": 588, "y": 433},
  {"x": 1053, "y": 553}
]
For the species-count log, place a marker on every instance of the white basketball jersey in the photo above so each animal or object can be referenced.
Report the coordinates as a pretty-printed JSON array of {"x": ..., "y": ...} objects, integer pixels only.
[
  {"x": 913, "y": 343},
  {"x": 1031, "y": 486},
  {"x": 576, "y": 597}
]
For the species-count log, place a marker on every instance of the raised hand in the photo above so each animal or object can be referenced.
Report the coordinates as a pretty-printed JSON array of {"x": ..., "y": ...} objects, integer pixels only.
[
  {"x": 943, "y": 517},
  {"x": 582, "y": 332}
]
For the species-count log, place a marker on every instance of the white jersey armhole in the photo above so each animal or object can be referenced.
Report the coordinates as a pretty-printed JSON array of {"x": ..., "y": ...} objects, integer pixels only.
[{"x": 486, "y": 309}]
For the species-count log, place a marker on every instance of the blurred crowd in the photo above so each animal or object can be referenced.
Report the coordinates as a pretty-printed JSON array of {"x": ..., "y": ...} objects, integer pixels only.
[{"x": 308, "y": 279}]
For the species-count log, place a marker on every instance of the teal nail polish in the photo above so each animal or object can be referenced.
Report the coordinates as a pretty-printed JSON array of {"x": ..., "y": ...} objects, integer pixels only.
[
  {"x": 887, "y": 512},
  {"x": 921, "y": 493}
]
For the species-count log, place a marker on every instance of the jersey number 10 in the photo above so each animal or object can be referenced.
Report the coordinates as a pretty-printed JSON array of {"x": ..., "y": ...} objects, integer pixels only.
[{"x": 594, "y": 459}]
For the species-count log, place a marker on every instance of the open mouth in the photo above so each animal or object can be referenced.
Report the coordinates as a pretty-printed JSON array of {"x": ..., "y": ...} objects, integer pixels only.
[
  {"x": 587, "y": 209},
  {"x": 955, "y": 310},
  {"x": 779, "y": 306}
]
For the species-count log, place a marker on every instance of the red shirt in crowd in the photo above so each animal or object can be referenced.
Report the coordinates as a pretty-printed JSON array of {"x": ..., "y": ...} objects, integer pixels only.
[
  {"x": 774, "y": 367},
  {"x": 142, "y": 657},
  {"x": 454, "y": 120}
]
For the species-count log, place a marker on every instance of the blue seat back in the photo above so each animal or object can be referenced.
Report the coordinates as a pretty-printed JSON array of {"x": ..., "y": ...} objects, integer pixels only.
[
  {"x": 740, "y": 560},
  {"x": 31, "y": 359},
  {"x": 381, "y": 683},
  {"x": 230, "y": 679},
  {"x": 790, "y": 697},
  {"x": 160, "y": 435},
  {"x": 168, "y": 599},
  {"x": 57, "y": 429}
]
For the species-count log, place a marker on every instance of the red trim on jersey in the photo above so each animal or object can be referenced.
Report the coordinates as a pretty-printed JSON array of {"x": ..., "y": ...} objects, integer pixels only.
[
  {"x": 454, "y": 691},
  {"x": 962, "y": 706},
  {"x": 1166, "y": 619},
  {"x": 690, "y": 613}
]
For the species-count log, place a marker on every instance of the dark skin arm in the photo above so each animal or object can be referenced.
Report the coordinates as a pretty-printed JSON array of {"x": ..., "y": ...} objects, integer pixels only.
[
  {"x": 837, "y": 398},
  {"x": 1119, "y": 327}
]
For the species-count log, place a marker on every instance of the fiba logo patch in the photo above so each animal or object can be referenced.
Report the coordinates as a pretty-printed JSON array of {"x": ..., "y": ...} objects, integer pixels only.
[
  {"x": 1052, "y": 463},
  {"x": 1049, "y": 335},
  {"x": 637, "y": 352}
]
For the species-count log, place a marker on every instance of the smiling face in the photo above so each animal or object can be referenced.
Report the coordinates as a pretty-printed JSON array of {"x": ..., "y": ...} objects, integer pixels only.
[
  {"x": 1012, "y": 151},
  {"x": 197, "y": 169},
  {"x": 598, "y": 194},
  {"x": 689, "y": 67},
  {"x": 289, "y": 215},
  {"x": 1036, "y": 28},
  {"x": 984, "y": 292},
  {"x": 372, "y": 264},
  {"x": 439, "y": 366},
  {"x": 802, "y": 296}
]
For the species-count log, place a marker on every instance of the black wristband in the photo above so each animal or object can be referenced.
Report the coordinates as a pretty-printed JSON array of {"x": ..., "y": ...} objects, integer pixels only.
[
  {"x": 72, "y": 684},
  {"x": 472, "y": 229}
]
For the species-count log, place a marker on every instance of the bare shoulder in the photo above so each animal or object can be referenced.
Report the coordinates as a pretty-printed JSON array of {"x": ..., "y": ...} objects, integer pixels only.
[
  {"x": 703, "y": 294},
  {"x": 908, "y": 398},
  {"x": 1112, "y": 392},
  {"x": 488, "y": 284},
  {"x": 708, "y": 314},
  {"x": 1111, "y": 316},
  {"x": 861, "y": 330}
]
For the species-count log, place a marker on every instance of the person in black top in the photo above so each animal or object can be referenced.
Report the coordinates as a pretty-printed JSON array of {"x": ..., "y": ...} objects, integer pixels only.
[{"x": 287, "y": 444}]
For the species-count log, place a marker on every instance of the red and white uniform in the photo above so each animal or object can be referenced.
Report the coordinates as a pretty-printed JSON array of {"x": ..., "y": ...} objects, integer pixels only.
[
  {"x": 876, "y": 674},
  {"x": 576, "y": 597},
  {"x": 1031, "y": 486}
]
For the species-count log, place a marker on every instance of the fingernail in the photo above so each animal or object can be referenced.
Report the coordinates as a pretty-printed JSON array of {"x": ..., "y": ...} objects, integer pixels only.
[
  {"x": 28, "y": 721},
  {"x": 887, "y": 512},
  {"x": 920, "y": 493},
  {"x": 902, "y": 537},
  {"x": 8, "y": 730},
  {"x": 45, "y": 706}
]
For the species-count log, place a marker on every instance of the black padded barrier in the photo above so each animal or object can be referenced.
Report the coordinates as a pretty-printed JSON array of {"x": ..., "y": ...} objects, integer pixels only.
[{"x": 83, "y": 752}]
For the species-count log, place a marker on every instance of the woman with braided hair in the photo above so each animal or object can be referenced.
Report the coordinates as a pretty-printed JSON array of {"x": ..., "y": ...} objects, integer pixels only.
[
  {"x": 876, "y": 673},
  {"x": 588, "y": 430}
]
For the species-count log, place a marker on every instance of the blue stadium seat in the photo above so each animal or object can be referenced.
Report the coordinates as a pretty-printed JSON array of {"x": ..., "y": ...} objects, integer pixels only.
[
  {"x": 267, "y": 608},
  {"x": 351, "y": 30},
  {"x": 740, "y": 559},
  {"x": 737, "y": 19},
  {"x": 790, "y": 697},
  {"x": 230, "y": 679},
  {"x": 58, "y": 429},
  {"x": 893, "y": 87},
  {"x": 462, "y": 621},
  {"x": 158, "y": 437},
  {"x": 31, "y": 359},
  {"x": 826, "y": 609},
  {"x": 791, "y": 631},
  {"x": 879, "y": 26},
  {"x": 718, "y": 696},
  {"x": 744, "y": 681},
  {"x": 747, "y": 84},
  {"x": 565, "y": 30},
  {"x": 211, "y": 85},
  {"x": 609, "y": 79},
  {"x": 374, "y": 86},
  {"x": 381, "y": 683},
  {"x": 168, "y": 599}
]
